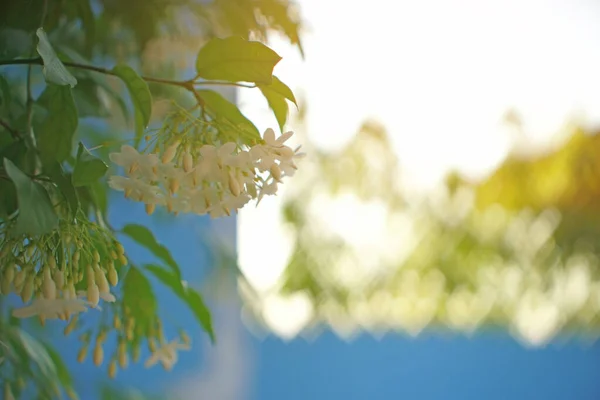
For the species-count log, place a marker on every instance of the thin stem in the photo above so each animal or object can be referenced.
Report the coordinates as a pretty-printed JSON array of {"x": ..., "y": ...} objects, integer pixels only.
[
  {"x": 14, "y": 133},
  {"x": 188, "y": 84},
  {"x": 224, "y": 83},
  {"x": 39, "y": 61}
]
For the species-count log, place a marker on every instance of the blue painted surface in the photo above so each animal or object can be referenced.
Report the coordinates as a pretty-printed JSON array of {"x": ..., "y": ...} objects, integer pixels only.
[{"x": 487, "y": 366}]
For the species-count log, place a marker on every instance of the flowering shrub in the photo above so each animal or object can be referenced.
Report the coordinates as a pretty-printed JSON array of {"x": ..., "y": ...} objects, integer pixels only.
[{"x": 59, "y": 256}]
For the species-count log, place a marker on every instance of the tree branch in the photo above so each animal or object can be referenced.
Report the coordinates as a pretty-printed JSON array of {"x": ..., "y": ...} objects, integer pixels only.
[{"x": 187, "y": 84}]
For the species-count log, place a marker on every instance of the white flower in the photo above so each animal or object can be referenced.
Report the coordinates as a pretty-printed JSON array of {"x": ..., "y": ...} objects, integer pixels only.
[
  {"x": 136, "y": 164},
  {"x": 51, "y": 309},
  {"x": 166, "y": 354},
  {"x": 106, "y": 296},
  {"x": 136, "y": 189},
  {"x": 233, "y": 203},
  {"x": 267, "y": 189}
]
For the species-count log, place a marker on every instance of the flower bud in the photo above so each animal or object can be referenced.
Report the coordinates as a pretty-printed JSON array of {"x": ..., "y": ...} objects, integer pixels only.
[
  {"x": 188, "y": 162},
  {"x": 96, "y": 256},
  {"x": 19, "y": 279},
  {"x": 48, "y": 287},
  {"x": 120, "y": 248},
  {"x": 98, "y": 355},
  {"x": 169, "y": 153},
  {"x": 275, "y": 172},
  {"x": 90, "y": 275},
  {"x": 5, "y": 286},
  {"x": 112, "y": 369},
  {"x": 70, "y": 326},
  {"x": 93, "y": 294},
  {"x": 101, "y": 280},
  {"x": 82, "y": 354},
  {"x": 9, "y": 272},
  {"x": 116, "y": 322},
  {"x": 234, "y": 185},
  {"x": 123, "y": 259},
  {"x": 173, "y": 185},
  {"x": 123, "y": 354},
  {"x": 27, "y": 291},
  {"x": 59, "y": 279},
  {"x": 150, "y": 208},
  {"x": 113, "y": 277}
]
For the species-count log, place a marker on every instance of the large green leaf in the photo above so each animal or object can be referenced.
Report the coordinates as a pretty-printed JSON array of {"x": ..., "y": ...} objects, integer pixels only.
[
  {"x": 88, "y": 169},
  {"x": 144, "y": 237},
  {"x": 5, "y": 96},
  {"x": 225, "y": 110},
  {"x": 14, "y": 43},
  {"x": 192, "y": 298},
  {"x": 139, "y": 297},
  {"x": 276, "y": 94},
  {"x": 236, "y": 59},
  {"x": 54, "y": 70},
  {"x": 58, "y": 129},
  {"x": 100, "y": 79},
  {"x": 87, "y": 99},
  {"x": 35, "y": 353},
  {"x": 140, "y": 95},
  {"x": 62, "y": 372},
  {"x": 36, "y": 214}
]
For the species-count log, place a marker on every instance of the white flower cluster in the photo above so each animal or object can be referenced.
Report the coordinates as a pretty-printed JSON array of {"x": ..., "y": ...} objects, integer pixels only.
[{"x": 208, "y": 179}]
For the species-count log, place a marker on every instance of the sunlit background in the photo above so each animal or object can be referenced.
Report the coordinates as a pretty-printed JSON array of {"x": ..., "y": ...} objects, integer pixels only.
[
  {"x": 451, "y": 186},
  {"x": 455, "y": 87}
]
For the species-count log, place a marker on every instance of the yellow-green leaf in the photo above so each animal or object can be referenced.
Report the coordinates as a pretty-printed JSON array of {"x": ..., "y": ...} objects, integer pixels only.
[
  {"x": 224, "y": 110},
  {"x": 235, "y": 59}
]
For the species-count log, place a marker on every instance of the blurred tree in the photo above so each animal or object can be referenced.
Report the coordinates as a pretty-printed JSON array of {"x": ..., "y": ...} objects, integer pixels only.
[{"x": 516, "y": 251}]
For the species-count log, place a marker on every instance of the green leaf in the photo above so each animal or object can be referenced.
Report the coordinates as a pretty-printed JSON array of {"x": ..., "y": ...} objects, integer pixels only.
[
  {"x": 5, "y": 96},
  {"x": 88, "y": 169},
  {"x": 277, "y": 86},
  {"x": 54, "y": 69},
  {"x": 64, "y": 183},
  {"x": 99, "y": 79},
  {"x": 235, "y": 59},
  {"x": 192, "y": 298},
  {"x": 140, "y": 95},
  {"x": 36, "y": 214},
  {"x": 62, "y": 372},
  {"x": 202, "y": 313},
  {"x": 87, "y": 99},
  {"x": 14, "y": 43},
  {"x": 225, "y": 110},
  {"x": 37, "y": 354},
  {"x": 139, "y": 297},
  {"x": 139, "y": 127},
  {"x": 144, "y": 237},
  {"x": 276, "y": 94},
  {"x": 56, "y": 137}
]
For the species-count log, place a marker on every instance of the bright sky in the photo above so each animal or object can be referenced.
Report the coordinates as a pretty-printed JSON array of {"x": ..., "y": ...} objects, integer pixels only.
[{"x": 440, "y": 75}]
